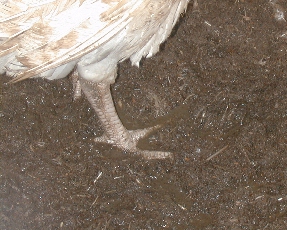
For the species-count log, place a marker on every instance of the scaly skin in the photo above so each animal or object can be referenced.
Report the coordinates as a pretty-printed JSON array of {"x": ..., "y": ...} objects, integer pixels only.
[{"x": 99, "y": 96}]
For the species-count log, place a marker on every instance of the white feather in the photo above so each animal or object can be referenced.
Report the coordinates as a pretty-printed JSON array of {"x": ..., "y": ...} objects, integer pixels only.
[{"x": 47, "y": 38}]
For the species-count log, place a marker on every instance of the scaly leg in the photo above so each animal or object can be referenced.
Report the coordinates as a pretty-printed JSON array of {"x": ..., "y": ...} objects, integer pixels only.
[
  {"x": 74, "y": 76},
  {"x": 99, "y": 95}
]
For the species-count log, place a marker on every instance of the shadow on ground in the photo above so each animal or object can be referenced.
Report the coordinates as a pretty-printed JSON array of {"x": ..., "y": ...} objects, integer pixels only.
[{"x": 219, "y": 89}]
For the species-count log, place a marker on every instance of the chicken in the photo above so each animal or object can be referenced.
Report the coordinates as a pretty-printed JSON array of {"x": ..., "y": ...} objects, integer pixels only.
[{"x": 52, "y": 38}]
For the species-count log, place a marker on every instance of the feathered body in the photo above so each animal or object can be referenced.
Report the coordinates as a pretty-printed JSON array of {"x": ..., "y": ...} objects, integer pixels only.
[
  {"x": 48, "y": 38},
  {"x": 51, "y": 38}
]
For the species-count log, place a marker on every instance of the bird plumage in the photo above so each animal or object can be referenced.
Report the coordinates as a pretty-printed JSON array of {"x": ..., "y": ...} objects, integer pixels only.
[{"x": 36, "y": 37}]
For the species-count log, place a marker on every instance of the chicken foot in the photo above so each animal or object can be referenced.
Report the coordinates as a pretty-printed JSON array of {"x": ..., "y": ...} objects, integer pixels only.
[{"x": 100, "y": 98}]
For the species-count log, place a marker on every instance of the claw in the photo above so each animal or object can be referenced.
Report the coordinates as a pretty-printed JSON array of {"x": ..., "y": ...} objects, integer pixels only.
[
  {"x": 116, "y": 134},
  {"x": 141, "y": 133},
  {"x": 150, "y": 155}
]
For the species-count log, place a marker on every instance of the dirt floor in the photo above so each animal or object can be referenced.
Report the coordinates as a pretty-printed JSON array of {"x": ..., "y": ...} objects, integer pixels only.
[{"x": 219, "y": 90}]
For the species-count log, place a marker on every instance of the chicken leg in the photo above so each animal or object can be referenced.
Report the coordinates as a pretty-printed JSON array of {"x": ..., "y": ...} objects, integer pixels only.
[{"x": 100, "y": 98}]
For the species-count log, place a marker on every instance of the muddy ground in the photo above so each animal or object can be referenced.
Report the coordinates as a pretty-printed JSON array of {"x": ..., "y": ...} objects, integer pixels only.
[{"x": 219, "y": 90}]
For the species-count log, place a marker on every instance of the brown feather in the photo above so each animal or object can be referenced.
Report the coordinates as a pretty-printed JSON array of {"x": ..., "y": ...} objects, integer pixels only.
[{"x": 128, "y": 28}]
